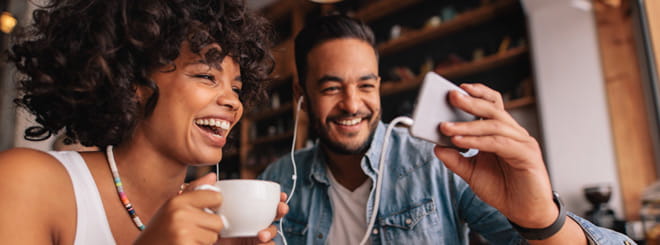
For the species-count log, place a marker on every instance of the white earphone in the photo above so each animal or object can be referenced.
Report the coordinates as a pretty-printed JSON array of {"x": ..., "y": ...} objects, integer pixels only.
[{"x": 294, "y": 177}]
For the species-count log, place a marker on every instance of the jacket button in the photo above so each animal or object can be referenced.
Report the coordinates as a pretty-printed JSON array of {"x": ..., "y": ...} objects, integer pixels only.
[
  {"x": 320, "y": 236},
  {"x": 408, "y": 221},
  {"x": 375, "y": 232}
]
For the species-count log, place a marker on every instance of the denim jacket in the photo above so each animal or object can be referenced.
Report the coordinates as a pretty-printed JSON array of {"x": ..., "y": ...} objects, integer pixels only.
[{"x": 422, "y": 202}]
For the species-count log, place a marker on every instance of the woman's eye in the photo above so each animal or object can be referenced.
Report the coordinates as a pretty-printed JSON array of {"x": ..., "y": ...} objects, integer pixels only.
[
  {"x": 211, "y": 78},
  {"x": 236, "y": 90}
]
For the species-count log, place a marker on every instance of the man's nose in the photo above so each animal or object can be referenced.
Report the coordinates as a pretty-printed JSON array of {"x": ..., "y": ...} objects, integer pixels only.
[{"x": 351, "y": 101}]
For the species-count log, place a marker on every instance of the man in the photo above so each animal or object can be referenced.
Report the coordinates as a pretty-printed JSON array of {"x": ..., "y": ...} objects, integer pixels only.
[{"x": 422, "y": 201}]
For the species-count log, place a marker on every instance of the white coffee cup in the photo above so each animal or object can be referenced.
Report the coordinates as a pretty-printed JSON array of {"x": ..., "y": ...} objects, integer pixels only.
[{"x": 248, "y": 206}]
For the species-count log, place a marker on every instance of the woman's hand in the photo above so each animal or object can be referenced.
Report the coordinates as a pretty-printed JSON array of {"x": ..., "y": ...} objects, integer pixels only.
[
  {"x": 265, "y": 236},
  {"x": 182, "y": 220}
]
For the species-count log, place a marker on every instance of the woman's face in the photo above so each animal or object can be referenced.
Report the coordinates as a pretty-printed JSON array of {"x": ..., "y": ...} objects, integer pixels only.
[{"x": 197, "y": 107}]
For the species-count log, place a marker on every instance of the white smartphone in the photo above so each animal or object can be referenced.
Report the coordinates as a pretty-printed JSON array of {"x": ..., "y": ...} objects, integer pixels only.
[{"x": 433, "y": 107}]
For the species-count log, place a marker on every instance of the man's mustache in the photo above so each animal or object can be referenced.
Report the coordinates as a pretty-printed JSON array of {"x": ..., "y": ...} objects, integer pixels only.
[{"x": 359, "y": 114}]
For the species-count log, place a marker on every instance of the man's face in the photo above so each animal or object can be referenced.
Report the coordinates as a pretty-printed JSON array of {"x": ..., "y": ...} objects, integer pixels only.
[{"x": 343, "y": 94}]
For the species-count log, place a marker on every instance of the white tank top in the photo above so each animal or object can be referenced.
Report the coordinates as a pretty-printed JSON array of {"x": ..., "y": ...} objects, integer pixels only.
[{"x": 92, "y": 224}]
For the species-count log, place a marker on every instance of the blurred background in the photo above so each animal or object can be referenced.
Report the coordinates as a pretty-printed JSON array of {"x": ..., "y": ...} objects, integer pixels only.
[{"x": 580, "y": 75}]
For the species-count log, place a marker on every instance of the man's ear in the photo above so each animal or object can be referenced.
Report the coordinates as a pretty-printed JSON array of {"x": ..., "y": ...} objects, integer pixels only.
[{"x": 299, "y": 94}]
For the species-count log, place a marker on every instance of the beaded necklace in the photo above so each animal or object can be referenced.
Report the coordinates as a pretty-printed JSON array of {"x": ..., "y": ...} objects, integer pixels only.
[{"x": 120, "y": 189}]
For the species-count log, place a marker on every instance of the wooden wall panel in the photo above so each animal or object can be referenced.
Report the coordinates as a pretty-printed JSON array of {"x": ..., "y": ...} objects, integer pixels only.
[
  {"x": 653, "y": 13},
  {"x": 628, "y": 114}
]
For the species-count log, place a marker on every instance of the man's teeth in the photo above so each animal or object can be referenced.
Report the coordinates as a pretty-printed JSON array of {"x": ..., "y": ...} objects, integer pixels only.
[
  {"x": 222, "y": 124},
  {"x": 349, "y": 122}
]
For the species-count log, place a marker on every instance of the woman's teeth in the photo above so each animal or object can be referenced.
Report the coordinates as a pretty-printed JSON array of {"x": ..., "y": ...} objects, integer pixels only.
[
  {"x": 216, "y": 125},
  {"x": 349, "y": 122}
]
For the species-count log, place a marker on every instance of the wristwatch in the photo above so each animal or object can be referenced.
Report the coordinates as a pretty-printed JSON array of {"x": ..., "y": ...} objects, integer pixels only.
[{"x": 544, "y": 233}]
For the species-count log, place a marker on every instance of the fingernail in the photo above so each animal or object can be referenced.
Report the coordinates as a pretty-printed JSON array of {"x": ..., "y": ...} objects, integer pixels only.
[
  {"x": 449, "y": 124},
  {"x": 458, "y": 93},
  {"x": 207, "y": 187}
]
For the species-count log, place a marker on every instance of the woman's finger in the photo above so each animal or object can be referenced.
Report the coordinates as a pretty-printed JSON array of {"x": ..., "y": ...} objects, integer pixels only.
[
  {"x": 208, "y": 179},
  {"x": 200, "y": 199},
  {"x": 205, "y": 237},
  {"x": 207, "y": 221},
  {"x": 267, "y": 234},
  {"x": 282, "y": 209}
]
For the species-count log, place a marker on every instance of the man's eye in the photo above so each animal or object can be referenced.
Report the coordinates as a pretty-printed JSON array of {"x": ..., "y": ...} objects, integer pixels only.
[
  {"x": 330, "y": 89},
  {"x": 367, "y": 85}
]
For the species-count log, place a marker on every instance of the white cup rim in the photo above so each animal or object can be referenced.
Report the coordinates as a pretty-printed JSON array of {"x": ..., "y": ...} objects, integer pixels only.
[{"x": 251, "y": 180}]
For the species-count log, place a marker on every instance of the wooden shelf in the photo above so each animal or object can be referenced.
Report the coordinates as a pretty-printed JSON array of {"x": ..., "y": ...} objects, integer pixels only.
[
  {"x": 230, "y": 154},
  {"x": 484, "y": 64},
  {"x": 256, "y": 116},
  {"x": 284, "y": 45},
  {"x": 383, "y": 8},
  {"x": 284, "y": 60},
  {"x": 274, "y": 138},
  {"x": 489, "y": 62},
  {"x": 461, "y": 21},
  {"x": 520, "y": 102},
  {"x": 282, "y": 79},
  {"x": 254, "y": 170}
]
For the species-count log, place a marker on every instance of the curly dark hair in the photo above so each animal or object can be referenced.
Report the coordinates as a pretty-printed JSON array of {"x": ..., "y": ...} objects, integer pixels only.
[{"x": 82, "y": 60}]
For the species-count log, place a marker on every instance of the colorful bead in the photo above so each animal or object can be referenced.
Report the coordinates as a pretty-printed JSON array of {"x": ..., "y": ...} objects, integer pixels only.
[{"x": 120, "y": 190}]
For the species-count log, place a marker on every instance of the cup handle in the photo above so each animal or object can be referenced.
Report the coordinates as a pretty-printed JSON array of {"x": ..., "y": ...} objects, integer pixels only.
[{"x": 210, "y": 188}]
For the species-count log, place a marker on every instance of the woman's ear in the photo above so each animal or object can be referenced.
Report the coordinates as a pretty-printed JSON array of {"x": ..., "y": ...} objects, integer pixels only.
[{"x": 142, "y": 94}]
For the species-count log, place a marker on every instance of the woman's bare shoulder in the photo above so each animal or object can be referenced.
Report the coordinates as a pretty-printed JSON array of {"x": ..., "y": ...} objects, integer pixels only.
[
  {"x": 25, "y": 162},
  {"x": 23, "y": 170},
  {"x": 39, "y": 196}
]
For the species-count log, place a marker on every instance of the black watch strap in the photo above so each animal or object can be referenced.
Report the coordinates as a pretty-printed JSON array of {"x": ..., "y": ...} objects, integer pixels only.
[{"x": 544, "y": 233}]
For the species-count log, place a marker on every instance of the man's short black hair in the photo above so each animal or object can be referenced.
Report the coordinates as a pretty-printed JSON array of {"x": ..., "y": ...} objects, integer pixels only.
[{"x": 324, "y": 29}]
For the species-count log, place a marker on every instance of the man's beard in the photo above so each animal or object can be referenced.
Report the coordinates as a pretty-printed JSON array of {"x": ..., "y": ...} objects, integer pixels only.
[{"x": 337, "y": 147}]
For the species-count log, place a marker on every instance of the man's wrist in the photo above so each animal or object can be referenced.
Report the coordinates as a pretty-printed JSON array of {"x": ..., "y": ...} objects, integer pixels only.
[{"x": 544, "y": 233}]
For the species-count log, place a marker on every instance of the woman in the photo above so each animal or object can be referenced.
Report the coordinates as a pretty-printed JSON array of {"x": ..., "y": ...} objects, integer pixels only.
[{"x": 157, "y": 85}]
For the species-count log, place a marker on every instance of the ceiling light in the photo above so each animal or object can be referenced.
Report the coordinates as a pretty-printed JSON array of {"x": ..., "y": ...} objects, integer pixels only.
[{"x": 7, "y": 22}]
